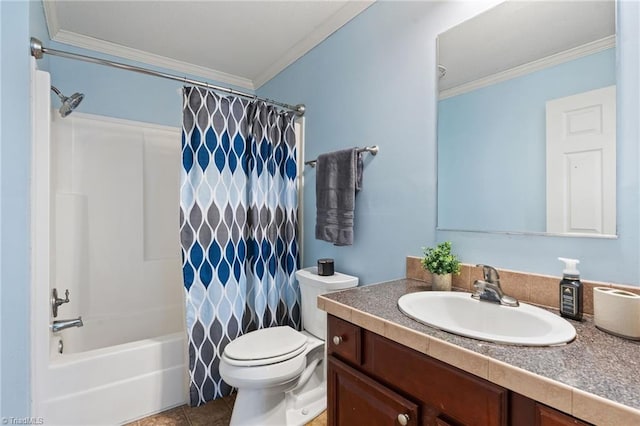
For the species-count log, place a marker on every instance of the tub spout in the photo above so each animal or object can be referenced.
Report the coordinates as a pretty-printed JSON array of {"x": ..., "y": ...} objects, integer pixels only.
[{"x": 60, "y": 325}]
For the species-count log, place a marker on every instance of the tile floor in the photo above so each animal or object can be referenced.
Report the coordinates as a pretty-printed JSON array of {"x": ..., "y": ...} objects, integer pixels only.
[{"x": 214, "y": 413}]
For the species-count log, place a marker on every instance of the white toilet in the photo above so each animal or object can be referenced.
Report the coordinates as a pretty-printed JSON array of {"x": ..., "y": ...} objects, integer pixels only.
[{"x": 279, "y": 372}]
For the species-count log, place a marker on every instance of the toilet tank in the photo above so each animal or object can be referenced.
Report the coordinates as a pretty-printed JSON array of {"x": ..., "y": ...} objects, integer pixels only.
[{"x": 311, "y": 286}]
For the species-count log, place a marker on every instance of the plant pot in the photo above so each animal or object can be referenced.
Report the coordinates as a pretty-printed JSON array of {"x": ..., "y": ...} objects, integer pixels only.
[{"x": 441, "y": 282}]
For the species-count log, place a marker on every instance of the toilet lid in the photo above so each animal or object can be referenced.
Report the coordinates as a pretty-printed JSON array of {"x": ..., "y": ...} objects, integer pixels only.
[{"x": 265, "y": 344}]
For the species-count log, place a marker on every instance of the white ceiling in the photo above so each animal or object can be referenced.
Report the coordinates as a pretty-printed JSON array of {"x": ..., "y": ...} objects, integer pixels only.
[
  {"x": 518, "y": 33},
  {"x": 243, "y": 43}
]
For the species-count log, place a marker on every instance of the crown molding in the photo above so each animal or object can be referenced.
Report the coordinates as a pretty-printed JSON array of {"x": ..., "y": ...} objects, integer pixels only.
[
  {"x": 537, "y": 65},
  {"x": 349, "y": 11},
  {"x": 51, "y": 18},
  {"x": 86, "y": 42},
  {"x": 345, "y": 14}
]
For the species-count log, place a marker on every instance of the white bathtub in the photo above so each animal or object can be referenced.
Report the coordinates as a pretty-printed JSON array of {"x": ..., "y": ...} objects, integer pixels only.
[
  {"x": 117, "y": 384},
  {"x": 105, "y": 226}
]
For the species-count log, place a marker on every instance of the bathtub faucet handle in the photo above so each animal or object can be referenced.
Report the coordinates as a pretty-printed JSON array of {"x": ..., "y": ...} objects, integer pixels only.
[{"x": 56, "y": 301}]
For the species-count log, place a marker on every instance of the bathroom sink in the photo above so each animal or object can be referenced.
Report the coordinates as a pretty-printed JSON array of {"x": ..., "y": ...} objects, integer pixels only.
[{"x": 460, "y": 314}]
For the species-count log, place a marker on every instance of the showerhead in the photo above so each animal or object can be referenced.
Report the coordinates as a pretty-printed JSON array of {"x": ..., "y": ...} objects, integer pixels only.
[
  {"x": 442, "y": 71},
  {"x": 68, "y": 103}
]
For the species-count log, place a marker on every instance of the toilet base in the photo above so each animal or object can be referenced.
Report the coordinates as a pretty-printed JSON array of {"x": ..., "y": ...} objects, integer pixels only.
[
  {"x": 301, "y": 409},
  {"x": 257, "y": 407},
  {"x": 291, "y": 404}
]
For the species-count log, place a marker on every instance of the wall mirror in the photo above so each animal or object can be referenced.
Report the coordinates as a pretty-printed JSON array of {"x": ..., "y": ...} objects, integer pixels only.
[{"x": 527, "y": 120}]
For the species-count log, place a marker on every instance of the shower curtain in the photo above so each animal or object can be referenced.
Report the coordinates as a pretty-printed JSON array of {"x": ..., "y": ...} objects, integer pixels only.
[{"x": 238, "y": 227}]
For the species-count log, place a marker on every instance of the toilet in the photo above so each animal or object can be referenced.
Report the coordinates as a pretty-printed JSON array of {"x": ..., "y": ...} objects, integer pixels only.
[{"x": 280, "y": 372}]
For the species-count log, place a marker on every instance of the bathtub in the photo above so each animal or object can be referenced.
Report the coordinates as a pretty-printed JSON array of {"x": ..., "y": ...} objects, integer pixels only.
[
  {"x": 117, "y": 252},
  {"x": 116, "y": 384}
]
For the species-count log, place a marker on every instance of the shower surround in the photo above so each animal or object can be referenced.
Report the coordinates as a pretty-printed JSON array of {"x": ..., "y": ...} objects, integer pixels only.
[{"x": 105, "y": 227}]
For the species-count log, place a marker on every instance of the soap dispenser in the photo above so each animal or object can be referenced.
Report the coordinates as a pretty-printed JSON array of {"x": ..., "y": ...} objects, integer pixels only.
[{"x": 570, "y": 290}]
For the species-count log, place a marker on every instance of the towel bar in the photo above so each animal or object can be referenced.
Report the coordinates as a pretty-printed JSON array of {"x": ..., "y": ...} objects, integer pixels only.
[{"x": 373, "y": 150}]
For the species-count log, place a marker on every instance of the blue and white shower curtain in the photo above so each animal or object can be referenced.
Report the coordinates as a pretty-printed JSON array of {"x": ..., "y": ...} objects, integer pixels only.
[{"x": 238, "y": 227}]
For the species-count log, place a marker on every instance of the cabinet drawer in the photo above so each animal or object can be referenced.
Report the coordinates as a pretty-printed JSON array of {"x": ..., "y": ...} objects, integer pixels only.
[
  {"x": 355, "y": 399},
  {"x": 546, "y": 416},
  {"x": 451, "y": 392},
  {"x": 344, "y": 339}
]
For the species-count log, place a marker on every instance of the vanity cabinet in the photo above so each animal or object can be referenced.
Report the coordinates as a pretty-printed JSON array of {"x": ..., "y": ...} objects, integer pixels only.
[{"x": 374, "y": 381}]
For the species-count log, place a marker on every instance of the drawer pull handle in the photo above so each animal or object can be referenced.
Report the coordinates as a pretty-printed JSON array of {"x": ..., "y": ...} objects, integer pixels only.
[
  {"x": 337, "y": 340},
  {"x": 403, "y": 419}
]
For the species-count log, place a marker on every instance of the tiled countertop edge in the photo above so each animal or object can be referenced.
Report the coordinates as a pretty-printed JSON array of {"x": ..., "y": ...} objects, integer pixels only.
[{"x": 570, "y": 400}]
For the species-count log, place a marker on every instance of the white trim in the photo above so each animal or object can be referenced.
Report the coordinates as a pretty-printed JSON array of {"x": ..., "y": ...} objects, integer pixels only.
[
  {"x": 124, "y": 122},
  {"x": 40, "y": 222},
  {"x": 349, "y": 11},
  {"x": 549, "y": 61},
  {"x": 106, "y": 47},
  {"x": 51, "y": 17},
  {"x": 299, "y": 127},
  {"x": 530, "y": 233}
]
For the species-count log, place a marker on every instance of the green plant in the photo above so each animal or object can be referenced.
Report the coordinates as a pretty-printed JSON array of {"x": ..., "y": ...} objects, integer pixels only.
[{"x": 439, "y": 260}]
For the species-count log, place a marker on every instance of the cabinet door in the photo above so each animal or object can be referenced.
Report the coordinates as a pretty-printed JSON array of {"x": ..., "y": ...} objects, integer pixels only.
[
  {"x": 443, "y": 391},
  {"x": 546, "y": 416},
  {"x": 355, "y": 399}
]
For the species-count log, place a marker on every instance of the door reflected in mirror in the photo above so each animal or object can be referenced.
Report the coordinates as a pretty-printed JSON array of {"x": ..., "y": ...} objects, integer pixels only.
[{"x": 527, "y": 120}]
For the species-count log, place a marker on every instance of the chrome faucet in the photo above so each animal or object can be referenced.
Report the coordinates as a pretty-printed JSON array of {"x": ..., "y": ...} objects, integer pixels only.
[
  {"x": 60, "y": 325},
  {"x": 489, "y": 288}
]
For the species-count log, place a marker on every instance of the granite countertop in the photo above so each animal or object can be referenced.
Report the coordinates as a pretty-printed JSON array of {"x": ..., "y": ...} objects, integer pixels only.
[{"x": 596, "y": 377}]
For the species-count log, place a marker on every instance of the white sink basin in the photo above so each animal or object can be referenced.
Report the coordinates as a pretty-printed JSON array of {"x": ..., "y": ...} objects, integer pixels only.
[{"x": 459, "y": 313}]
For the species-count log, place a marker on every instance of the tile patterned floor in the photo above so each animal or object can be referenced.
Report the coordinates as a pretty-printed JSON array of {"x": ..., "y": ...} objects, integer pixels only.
[
  {"x": 213, "y": 413},
  {"x": 321, "y": 420}
]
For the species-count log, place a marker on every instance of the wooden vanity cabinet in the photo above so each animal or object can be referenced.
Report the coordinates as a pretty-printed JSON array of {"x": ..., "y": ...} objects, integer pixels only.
[{"x": 372, "y": 380}]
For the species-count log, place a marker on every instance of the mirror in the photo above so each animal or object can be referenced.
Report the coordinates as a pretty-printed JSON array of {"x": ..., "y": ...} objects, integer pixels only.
[{"x": 526, "y": 120}]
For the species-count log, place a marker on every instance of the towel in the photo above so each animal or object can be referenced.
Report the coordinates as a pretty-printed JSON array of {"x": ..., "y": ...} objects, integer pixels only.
[{"x": 338, "y": 179}]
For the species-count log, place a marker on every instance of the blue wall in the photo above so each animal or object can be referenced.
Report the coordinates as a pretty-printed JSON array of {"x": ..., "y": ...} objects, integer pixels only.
[
  {"x": 503, "y": 122},
  {"x": 15, "y": 140},
  {"x": 117, "y": 93},
  {"x": 373, "y": 82}
]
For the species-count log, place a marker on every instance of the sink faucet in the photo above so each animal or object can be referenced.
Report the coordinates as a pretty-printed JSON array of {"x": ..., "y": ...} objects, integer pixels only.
[
  {"x": 60, "y": 325},
  {"x": 489, "y": 288}
]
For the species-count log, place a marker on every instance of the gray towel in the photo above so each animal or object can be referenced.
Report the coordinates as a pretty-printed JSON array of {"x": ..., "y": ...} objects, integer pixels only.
[{"x": 338, "y": 178}]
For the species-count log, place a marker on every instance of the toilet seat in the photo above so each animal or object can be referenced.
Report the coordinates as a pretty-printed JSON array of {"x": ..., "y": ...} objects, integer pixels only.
[
  {"x": 262, "y": 376},
  {"x": 264, "y": 347},
  {"x": 279, "y": 375}
]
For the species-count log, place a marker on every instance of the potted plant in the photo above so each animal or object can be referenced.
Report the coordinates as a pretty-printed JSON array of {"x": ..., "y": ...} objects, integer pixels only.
[{"x": 441, "y": 263}]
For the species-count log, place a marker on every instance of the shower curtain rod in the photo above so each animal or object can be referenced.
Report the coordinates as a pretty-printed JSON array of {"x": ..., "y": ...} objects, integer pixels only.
[{"x": 38, "y": 51}]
